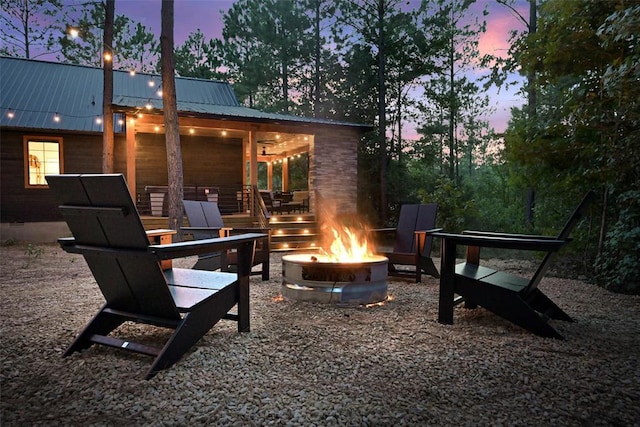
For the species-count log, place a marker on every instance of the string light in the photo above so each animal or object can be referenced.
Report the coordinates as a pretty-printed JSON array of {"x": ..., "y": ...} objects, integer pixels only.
[
  {"x": 148, "y": 105},
  {"x": 192, "y": 131},
  {"x": 107, "y": 57},
  {"x": 151, "y": 83},
  {"x": 98, "y": 120},
  {"x": 56, "y": 117},
  {"x": 132, "y": 73},
  {"x": 10, "y": 114}
]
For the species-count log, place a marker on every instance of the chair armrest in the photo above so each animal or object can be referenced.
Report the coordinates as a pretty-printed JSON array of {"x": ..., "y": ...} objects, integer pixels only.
[
  {"x": 205, "y": 246},
  {"x": 428, "y": 232},
  {"x": 516, "y": 236},
  {"x": 547, "y": 245},
  {"x": 202, "y": 229},
  {"x": 245, "y": 230}
]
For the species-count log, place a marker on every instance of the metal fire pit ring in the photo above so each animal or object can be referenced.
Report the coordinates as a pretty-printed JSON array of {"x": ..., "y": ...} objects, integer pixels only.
[{"x": 307, "y": 277}]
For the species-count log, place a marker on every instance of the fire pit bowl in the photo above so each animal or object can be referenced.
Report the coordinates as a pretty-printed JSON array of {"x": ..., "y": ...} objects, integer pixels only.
[{"x": 313, "y": 277}]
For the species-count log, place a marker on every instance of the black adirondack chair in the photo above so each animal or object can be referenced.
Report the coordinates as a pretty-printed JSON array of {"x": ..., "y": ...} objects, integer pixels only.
[
  {"x": 108, "y": 232},
  {"x": 205, "y": 222},
  {"x": 514, "y": 298},
  {"x": 412, "y": 244}
]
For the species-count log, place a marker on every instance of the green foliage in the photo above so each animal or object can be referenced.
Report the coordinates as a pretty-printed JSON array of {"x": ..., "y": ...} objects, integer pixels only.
[
  {"x": 9, "y": 242},
  {"x": 618, "y": 265},
  {"x": 583, "y": 132},
  {"x": 34, "y": 252},
  {"x": 455, "y": 205},
  {"x": 198, "y": 58},
  {"x": 134, "y": 46},
  {"x": 30, "y": 25}
]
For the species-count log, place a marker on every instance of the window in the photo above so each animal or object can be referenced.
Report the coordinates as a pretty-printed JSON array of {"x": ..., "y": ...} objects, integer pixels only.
[{"x": 42, "y": 156}]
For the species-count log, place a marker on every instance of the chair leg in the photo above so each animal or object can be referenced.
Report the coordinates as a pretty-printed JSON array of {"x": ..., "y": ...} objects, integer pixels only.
[
  {"x": 101, "y": 324},
  {"x": 542, "y": 304},
  {"x": 428, "y": 267},
  {"x": 194, "y": 326}
]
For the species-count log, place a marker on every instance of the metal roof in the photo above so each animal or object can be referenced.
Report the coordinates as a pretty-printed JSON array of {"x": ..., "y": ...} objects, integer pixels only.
[{"x": 36, "y": 91}]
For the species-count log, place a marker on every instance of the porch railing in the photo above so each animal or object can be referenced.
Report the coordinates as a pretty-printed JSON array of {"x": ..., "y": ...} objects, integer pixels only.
[{"x": 244, "y": 199}]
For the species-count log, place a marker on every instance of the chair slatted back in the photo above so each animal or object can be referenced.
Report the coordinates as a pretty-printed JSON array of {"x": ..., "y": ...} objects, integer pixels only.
[
  {"x": 198, "y": 218},
  {"x": 412, "y": 218},
  {"x": 108, "y": 231},
  {"x": 564, "y": 234}
]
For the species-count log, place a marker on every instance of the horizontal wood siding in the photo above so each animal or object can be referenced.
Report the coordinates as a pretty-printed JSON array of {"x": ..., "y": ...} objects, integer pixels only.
[
  {"x": 207, "y": 161},
  {"x": 82, "y": 154}
]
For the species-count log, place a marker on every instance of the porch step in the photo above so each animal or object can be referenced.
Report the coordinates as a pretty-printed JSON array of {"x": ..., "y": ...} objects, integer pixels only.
[
  {"x": 290, "y": 232},
  {"x": 294, "y": 232}
]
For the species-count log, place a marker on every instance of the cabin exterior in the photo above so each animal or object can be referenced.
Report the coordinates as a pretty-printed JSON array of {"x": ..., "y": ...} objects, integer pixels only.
[{"x": 50, "y": 122}]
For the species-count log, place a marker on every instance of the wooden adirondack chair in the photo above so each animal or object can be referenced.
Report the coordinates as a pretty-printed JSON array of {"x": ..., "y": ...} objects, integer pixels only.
[
  {"x": 205, "y": 222},
  {"x": 108, "y": 232},
  {"x": 514, "y": 298},
  {"x": 412, "y": 245}
]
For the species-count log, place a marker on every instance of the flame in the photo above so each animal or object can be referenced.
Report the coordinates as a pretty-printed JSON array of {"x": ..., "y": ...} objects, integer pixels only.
[
  {"x": 348, "y": 245},
  {"x": 380, "y": 303}
]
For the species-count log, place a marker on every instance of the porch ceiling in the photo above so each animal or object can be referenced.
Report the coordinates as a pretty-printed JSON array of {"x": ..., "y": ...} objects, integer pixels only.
[{"x": 276, "y": 144}]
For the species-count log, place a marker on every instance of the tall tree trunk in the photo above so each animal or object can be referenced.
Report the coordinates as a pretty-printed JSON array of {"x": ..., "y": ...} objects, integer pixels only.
[
  {"x": 318, "y": 47},
  {"x": 452, "y": 108},
  {"x": 382, "y": 122},
  {"x": 531, "y": 76},
  {"x": 107, "y": 94},
  {"x": 172, "y": 131}
]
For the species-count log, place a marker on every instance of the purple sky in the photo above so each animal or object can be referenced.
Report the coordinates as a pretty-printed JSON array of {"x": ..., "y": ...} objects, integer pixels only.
[
  {"x": 206, "y": 15},
  {"x": 189, "y": 15}
]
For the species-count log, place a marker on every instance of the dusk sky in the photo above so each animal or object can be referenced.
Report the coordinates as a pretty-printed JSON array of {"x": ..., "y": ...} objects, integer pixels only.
[{"x": 207, "y": 16}]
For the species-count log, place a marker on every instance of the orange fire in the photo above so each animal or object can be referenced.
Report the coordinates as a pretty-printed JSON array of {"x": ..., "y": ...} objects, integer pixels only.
[{"x": 349, "y": 244}]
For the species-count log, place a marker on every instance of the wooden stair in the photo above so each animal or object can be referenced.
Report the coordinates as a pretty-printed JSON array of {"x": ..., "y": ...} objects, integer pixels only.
[
  {"x": 290, "y": 232},
  {"x": 294, "y": 232}
]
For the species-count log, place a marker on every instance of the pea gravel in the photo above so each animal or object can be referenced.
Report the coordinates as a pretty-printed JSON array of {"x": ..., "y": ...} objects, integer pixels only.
[{"x": 307, "y": 364}]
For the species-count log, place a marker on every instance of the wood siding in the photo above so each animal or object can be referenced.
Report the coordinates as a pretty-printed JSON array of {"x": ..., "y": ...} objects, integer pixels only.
[{"x": 208, "y": 161}]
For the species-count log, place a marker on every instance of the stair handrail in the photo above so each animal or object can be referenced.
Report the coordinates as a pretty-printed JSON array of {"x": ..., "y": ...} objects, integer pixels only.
[{"x": 259, "y": 208}]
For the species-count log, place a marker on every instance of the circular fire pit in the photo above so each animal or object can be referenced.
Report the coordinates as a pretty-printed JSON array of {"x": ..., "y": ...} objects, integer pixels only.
[{"x": 311, "y": 277}]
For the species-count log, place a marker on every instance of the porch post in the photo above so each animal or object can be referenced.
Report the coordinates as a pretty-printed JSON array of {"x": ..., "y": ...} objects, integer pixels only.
[
  {"x": 131, "y": 155},
  {"x": 285, "y": 174},
  {"x": 253, "y": 166}
]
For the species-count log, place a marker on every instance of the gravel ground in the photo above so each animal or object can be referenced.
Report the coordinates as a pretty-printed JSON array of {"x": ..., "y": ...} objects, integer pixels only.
[{"x": 310, "y": 364}]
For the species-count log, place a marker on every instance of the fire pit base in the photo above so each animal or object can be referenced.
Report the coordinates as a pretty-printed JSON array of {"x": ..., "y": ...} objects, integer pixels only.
[{"x": 362, "y": 282}]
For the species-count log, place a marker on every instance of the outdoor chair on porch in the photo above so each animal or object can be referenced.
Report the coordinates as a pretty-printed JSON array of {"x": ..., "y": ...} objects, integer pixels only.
[
  {"x": 205, "y": 222},
  {"x": 273, "y": 205},
  {"x": 411, "y": 248},
  {"x": 512, "y": 297},
  {"x": 108, "y": 232}
]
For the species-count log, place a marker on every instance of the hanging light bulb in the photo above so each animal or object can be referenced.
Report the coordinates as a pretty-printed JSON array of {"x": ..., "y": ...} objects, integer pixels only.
[
  {"x": 10, "y": 114},
  {"x": 132, "y": 73},
  {"x": 98, "y": 120},
  {"x": 107, "y": 57},
  {"x": 148, "y": 105},
  {"x": 56, "y": 117}
]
